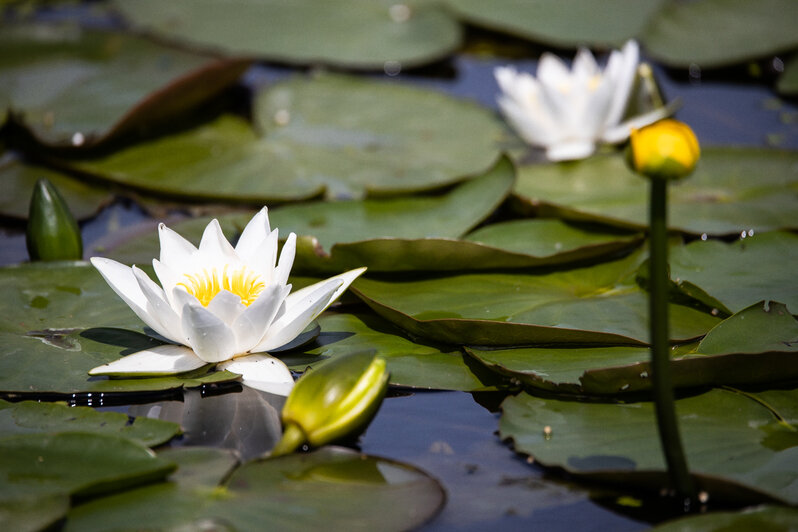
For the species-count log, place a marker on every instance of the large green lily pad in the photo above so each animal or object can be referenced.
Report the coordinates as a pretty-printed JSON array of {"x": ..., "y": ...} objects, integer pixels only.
[
  {"x": 713, "y": 33},
  {"x": 410, "y": 364},
  {"x": 332, "y": 488},
  {"x": 31, "y": 514},
  {"x": 732, "y": 190},
  {"x": 75, "y": 463},
  {"x": 338, "y": 136},
  {"x": 599, "y": 304},
  {"x": 28, "y": 417},
  {"x": 561, "y": 23},
  {"x": 755, "y": 346},
  {"x": 352, "y": 33},
  {"x": 18, "y": 178},
  {"x": 764, "y": 517},
  {"x": 75, "y": 87},
  {"x": 734, "y": 444},
  {"x": 733, "y": 276},
  {"x": 58, "y": 321}
]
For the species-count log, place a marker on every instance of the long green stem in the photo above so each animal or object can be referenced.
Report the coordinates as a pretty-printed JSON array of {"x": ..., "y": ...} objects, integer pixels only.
[{"x": 660, "y": 349}]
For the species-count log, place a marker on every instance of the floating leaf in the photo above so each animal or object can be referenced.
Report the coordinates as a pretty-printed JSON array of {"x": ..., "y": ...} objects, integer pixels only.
[
  {"x": 77, "y": 87},
  {"x": 352, "y": 33},
  {"x": 28, "y": 417},
  {"x": 757, "y": 518},
  {"x": 340, "y": 136},
  {"x": 331, "y": 488},
  {"x": 19, "y": 177},
  {"x": 410, "y": 364},
  {"x": 60, "y": 320},
  {"x": 729, "y": 439},
  {"x": 713, "y": 33},
  {"x": 599, "y": 304},
  {"x": 74, "y": 463},
  {"x": 732, "y": 190},
  {"x": 788, "y": 82},
  {"x": 31, "y": 514},
  {"x": 561, "y": 23},
  {"x": 733, "y": 276}
]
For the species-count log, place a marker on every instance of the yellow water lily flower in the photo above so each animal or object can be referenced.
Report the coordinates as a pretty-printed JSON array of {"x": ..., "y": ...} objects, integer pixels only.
[
  {"x": 667, "y": 149},
  {"x": 220, "y": 305},
  {"x": 568, "y": 112}
]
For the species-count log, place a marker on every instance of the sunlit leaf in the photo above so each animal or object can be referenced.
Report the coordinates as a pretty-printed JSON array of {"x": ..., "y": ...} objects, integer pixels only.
[
  {"x": 338, "y": 136},
  {"x": 410, "y": 364},
  {"x": 756, "y": 518},
  {"x": 332, "y": 488},
  {"x": 734, "y": 444},
  {"x": 77, "y": 87},
  {"x": 732, "y": 190},
  {"x": 353, "y": 33},
  {"x": 28, "y": 417},
  {"x": 713, "y": 33},
  {"x": 561, "y": 22},
  {"x": 599, "y": 304}
]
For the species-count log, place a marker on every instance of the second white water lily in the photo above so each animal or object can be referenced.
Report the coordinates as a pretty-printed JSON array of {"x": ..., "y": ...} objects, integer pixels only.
[
  {"x": 568, "y": 112},
  {"x": 220, "y": 304}
]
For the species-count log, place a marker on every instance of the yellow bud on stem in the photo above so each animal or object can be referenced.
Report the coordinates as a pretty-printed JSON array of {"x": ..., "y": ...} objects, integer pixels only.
[{"x": 667, "y": 149}]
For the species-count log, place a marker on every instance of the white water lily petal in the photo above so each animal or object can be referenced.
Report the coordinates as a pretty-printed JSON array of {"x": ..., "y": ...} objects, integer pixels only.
[
  {"x": 168, "y": 278},
  {"x": 568, "y": 111},
  {"x": 297, "y": 316},
  {"x": 121, "y": 279},
  {"x": 622, "y": 131},
  {"x": 158, "y": 307},
  {"x": 253, "y": 235},
  {"x": 226, "y": 306},
  {"x": 160, "y": 360},
  {"x": 210, "y": 338},
  {"x": 214, "y": 249},
  {"x": 252, "y": 324},
  {"x": 262, "y": 372},
  {"x": 176, "y": 251},
  {"x": 286, "y": 260}
]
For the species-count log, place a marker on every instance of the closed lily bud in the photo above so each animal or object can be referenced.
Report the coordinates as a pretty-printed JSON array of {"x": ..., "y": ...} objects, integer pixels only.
[
  {"x": 667, "y": 149},
  {"x": 335, "y": 400},
  {"x": 53, "y": 233}
]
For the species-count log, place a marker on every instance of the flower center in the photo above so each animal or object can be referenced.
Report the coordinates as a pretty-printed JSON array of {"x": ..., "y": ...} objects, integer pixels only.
[{"x": 242, "y": 282}]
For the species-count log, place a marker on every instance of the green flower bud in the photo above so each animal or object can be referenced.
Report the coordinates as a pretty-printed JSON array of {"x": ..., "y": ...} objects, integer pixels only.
[
  {"x": 53, "y": 233},
  {"x": 335, "y": 400}
]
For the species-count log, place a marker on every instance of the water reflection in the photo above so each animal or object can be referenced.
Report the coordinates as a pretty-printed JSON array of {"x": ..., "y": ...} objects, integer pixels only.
[{"x": 247, "y": 421}]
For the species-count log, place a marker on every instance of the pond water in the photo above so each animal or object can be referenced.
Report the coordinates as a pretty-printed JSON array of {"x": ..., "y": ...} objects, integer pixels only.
[{"x": 451, "y": 435}]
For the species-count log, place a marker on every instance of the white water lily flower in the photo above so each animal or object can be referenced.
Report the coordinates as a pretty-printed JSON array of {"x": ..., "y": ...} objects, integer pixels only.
[
  {"x": 220, "y": 305},
  {"x": 568, "y": 111}
]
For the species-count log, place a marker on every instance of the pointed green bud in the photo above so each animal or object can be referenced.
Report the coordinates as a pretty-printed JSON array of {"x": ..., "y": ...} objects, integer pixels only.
[
  {"x": 335, "y": 400},
  {"x": 53, "y": 233}
]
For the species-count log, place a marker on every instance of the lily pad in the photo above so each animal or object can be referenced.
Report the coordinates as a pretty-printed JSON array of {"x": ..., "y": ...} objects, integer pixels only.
[
  {"x": 561, "y": 23},
  {"x": 410, "y": 364},
  {"x": 599, "y": 304},
  {"x": 75, "y": 463},
  {"x": 735, "y": 446},
  {"x": 733, "y": 276},
  {"x": 351, "y": 33},
  {"x": 28, "y": 417},
  {"x": 713, "y": 33},
  {"x": 19, "y": 177},
  {"x": 758, "y": 345},
  {"x": 31, "y": 514},
  {"x": 333, "y": 135},
  {"x": 732, "y": 190},
  {"x": 332, "y": 488},
  {"x": 75, "y": 87},
  {"x": 758, "y": 518},
  {"x": 60, "y": 320}
]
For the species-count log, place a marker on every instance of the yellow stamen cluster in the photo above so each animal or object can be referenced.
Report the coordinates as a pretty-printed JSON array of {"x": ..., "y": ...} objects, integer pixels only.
[{"x": 242, "y": 282}]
